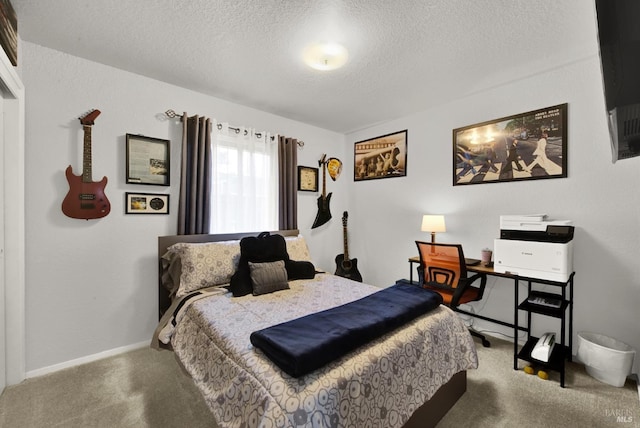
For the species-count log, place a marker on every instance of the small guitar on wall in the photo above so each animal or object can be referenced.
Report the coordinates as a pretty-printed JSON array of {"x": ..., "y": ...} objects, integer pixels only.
[
  {"x": 324, "y": 213},
  {"x": 346, "y": 267},
  {"x": 86, "y": 199}
]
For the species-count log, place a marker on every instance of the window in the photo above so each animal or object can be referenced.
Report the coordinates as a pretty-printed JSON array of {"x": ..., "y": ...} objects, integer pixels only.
[{"x": 244, "y": 194}]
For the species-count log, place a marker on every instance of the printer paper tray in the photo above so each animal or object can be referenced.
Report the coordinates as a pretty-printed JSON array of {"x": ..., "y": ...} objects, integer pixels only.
[{"x": 532, "y": 273}]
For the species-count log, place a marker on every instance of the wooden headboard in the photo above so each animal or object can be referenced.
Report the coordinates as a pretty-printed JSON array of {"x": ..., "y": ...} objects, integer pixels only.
[{"x": 164, "y": 242}]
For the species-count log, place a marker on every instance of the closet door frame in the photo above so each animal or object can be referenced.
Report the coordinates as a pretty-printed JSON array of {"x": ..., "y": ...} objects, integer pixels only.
[{"x": 13, "y": 137}]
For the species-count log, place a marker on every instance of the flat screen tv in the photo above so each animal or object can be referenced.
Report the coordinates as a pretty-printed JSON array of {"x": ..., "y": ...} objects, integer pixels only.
[{"x": 619, "y": 40}]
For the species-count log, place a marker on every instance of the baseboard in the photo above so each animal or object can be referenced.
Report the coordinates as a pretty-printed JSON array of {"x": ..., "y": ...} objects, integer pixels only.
[{"x": 87, "y": 359}]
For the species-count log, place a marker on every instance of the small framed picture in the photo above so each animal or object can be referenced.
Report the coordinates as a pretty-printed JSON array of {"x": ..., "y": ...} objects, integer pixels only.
[
  {"x": 307, "y": 179},
  {"x": 146, "y": 203},
  {"x": 147, "y": 160}
]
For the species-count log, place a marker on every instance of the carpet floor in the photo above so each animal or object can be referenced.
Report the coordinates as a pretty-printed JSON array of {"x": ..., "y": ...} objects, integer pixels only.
[
  {"x": 498, "y": 396},
  {"x": 146, "y": 388}
]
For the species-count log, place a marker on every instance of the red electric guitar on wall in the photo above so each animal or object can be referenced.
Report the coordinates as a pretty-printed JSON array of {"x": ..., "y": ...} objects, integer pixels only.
[{"x": 86, "y": 198}]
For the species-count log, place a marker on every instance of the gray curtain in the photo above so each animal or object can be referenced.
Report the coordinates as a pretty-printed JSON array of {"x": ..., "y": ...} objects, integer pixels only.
[
  {"x": 288, "y": 182},
  {"x": 194, "y": 209}
]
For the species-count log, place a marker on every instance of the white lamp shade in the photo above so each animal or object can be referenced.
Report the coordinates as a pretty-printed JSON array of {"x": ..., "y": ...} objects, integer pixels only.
[{"x": 433, "y": 223}]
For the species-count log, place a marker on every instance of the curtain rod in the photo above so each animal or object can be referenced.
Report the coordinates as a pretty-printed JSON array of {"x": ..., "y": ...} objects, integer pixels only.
[{"x": 172, "y": 114}]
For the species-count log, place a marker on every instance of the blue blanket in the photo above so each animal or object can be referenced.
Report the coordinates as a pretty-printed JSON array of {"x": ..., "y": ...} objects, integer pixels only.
[{"x": 305, "y": 344}]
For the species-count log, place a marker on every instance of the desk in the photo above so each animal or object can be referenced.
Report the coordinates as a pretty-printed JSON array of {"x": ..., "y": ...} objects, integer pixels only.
[
  {"x": 556, "y": 361},
  {"x": 483, "y": 270}
]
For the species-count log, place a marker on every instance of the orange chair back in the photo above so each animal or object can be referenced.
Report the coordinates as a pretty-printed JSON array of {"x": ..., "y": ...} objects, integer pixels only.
[{"x": 442, "y": 263}]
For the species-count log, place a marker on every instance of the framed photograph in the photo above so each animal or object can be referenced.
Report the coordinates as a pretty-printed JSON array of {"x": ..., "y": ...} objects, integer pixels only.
[
  {"x": 526, "y": 146},
  {"x": 307, "y": 179},
  {"x": 381, "y": 157},
  {"x": 147, "y": 160},
  {"x": 9, "y": 31},
  {"x": 146, "y": 203}
]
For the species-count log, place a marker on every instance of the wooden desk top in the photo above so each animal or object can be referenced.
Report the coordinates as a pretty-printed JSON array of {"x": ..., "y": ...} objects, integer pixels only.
[
  {"x": 488, "y": 270},
  {"x": 479, "y": 268}
]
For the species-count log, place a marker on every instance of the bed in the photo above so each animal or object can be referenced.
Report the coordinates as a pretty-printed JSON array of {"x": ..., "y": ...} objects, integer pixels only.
[{"x": 409, "y": 377}]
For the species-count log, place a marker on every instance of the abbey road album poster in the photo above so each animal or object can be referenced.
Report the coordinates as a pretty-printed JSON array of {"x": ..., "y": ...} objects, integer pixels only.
[{"x": 526, "y": 146}]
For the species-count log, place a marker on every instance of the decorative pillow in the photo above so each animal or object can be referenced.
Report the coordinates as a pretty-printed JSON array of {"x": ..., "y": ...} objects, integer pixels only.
[
  {"x": 297, "y": 248},
  {"x": 206, "y": 264},
  {"x": 268, "y": 277}
]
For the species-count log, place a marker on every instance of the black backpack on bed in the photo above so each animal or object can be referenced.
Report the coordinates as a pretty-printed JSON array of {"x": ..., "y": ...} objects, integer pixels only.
[{"x": 262, "y": 249}]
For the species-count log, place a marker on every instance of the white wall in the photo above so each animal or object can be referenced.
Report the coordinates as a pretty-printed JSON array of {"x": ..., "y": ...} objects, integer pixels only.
[
  {"x": 600, "y": 197},
  {"x": 91, "y": 285}
]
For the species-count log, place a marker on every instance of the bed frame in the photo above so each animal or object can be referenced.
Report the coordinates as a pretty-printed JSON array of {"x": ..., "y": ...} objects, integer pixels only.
[{"x": 426, "y": 416}]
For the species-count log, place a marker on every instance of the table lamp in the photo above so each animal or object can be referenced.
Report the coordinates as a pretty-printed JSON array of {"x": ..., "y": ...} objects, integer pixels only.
[{"x": 433, "y": 224}]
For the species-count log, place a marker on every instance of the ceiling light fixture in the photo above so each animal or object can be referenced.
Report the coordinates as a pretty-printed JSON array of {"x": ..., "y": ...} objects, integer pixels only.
[{"x": 325, "y": 56}]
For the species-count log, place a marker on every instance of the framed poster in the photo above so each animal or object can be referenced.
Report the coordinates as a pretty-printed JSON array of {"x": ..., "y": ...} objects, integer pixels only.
[
  {"x": 146, "y": 203},
  {"x": 526, "y": 146},
  {"x": 307, "y": 179},
  {"x": 147, "y": 160},
  {"x": 9, "y": 31},
  {"x": 381, "y": 157}
]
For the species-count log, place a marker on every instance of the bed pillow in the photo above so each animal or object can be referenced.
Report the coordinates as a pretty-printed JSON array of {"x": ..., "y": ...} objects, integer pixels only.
[
  {"x": 297, "y": 248},
  {"x": 300, "y": 269},
  {"x": 268, "y": 277},
  {"x": 171, "y": 271},
  {"x": 206, "y": 264},
  {"x": 299, "y": 265}
]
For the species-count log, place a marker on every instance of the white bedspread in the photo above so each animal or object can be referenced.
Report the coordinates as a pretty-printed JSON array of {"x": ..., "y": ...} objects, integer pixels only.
[{"x": 379, "y": 385}]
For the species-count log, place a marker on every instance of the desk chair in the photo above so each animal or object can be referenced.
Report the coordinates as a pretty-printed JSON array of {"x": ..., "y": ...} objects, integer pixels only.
[{"x": 443, "y": 270}]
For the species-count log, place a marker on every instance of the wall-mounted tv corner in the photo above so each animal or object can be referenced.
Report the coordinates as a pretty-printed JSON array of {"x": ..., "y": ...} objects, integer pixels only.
[{"x": 619, "y": 39}]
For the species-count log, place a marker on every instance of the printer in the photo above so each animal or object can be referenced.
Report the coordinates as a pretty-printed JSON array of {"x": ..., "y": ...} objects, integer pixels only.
[
  {"x": 535, "y": 247},
  {"x": 535, "y": 227}
]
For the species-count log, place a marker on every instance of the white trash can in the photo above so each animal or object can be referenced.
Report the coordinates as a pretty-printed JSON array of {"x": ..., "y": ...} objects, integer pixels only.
[{"x": 605, "y": 358}]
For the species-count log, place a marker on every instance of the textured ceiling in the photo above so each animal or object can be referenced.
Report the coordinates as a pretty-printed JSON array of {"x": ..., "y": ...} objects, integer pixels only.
[{"x": 405, "y": 56}]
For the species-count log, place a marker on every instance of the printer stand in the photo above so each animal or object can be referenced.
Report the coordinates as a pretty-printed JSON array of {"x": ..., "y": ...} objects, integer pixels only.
[{"x": 563, "y": 348}]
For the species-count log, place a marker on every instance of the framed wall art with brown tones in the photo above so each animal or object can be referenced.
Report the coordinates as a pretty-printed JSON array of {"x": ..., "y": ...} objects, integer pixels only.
[
  {"x": 381, "y": 157},
  {"x": 526, "y": 146},
  {"x": 146, "y": 203},
  {"x": 307, "y": 179},
  {"x": 147, "y": 160},
  {"x": 9, "y": 31}
]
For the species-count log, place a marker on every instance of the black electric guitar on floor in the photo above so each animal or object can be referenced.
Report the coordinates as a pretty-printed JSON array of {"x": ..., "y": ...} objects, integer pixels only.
[
  {"x": 346, "y": 267},
  {"x": 86, "y": 198},
  {"x": 324, "y": 213}
]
